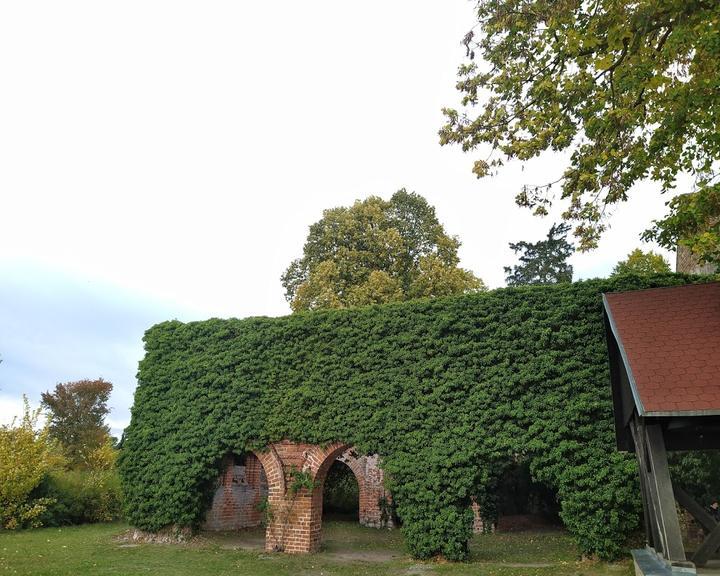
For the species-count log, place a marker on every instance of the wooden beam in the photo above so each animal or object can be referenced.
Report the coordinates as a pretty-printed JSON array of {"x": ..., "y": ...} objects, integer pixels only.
[
  {"x": 652, "y": 533},
  {"x": 708, "y": 548},
  {"x": 703, "y": 517},
  {"x": 662, "y": 497}
]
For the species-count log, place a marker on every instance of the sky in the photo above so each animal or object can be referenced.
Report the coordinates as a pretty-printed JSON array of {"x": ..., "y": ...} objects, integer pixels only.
[{"x": 164, "y": 159}]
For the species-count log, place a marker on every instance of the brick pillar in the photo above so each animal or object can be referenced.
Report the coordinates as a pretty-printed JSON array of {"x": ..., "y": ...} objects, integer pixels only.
[
  {"x": 295, "y": 518},
  {"x": 477, "y": 519}
]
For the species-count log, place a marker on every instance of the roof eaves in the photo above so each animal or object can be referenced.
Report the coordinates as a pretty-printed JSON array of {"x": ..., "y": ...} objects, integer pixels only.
[
  {"x": 626, "y": 362},
  {"x": 665, "y": 413}
]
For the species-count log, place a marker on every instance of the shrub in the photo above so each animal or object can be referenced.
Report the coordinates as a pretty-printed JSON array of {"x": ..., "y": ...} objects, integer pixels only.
[
  {"x": 445, "y": 390},
  {"x": 26, "y": 455},
  {"x": 81, "y": 496}
]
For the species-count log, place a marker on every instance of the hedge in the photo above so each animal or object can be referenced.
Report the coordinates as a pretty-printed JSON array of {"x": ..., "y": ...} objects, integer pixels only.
[{"x": 447, "y": 391}]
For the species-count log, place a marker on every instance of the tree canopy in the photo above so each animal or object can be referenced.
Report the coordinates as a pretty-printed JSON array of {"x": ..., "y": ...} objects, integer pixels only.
[
  {"x": 543, "y": 262},
  {"x": 376, "y": 251},
  {"x": 642, "y": 263},
  {"x": 77, "y": 417},
  {"x": 631, "y": 89}
]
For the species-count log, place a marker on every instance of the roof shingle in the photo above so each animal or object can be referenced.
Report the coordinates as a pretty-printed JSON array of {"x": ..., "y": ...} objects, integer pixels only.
[{"x": 671, "y": 341}]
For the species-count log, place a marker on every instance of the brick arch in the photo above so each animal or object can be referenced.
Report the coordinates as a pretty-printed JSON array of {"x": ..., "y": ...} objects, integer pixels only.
[
  {"x": 273, "y": 467},
  {"x": 295, "y": 517},
  {"x": 321, "y": 458},
  {"x": 370, "y": 479}
]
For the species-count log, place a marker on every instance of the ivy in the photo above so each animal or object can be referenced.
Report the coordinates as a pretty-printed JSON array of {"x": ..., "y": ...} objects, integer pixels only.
[{"x": 447, "y": 390}]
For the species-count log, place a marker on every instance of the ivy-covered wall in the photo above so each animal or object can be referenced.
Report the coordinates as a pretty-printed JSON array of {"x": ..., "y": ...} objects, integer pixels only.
[{"x": 445, "y": 390}]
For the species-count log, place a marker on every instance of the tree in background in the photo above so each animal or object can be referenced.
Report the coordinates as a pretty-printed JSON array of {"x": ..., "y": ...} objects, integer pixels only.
[
  {"x": 77, "y": 413},
  {"x": 544, "y": 262},
  {"x": 632, "y": 89},
  {"x": 374, "y": 252},
  {"x": 643, "y": 263}
]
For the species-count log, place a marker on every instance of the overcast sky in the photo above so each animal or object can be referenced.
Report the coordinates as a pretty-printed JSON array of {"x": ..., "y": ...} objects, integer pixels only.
[{"x": 164, "y": 160}]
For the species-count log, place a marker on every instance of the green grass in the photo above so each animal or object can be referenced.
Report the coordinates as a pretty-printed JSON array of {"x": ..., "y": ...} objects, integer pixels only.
[{"x": 348, "y": 549}]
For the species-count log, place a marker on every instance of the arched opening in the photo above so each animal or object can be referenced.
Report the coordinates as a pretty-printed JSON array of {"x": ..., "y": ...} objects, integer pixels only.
[
  {"x": 239, "y": 494},
  {"x": 514, "y": 502},
  {"x": 341, "y": 494},
  {"x": 524, "y": 504},
  {"x": 297, "y": 474}
]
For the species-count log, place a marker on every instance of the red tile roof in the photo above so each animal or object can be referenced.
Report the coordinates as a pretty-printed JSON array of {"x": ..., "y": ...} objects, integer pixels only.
[{"x": 670, "y": 342}]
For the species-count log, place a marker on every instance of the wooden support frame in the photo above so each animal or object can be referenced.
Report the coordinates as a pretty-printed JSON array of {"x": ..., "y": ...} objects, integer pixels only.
[
  {"x": 711, "y": 544},
  {"x": 657, "y": 491}
]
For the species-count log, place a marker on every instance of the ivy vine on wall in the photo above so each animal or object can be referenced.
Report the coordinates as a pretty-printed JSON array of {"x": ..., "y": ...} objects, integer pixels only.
[{"x": 445, "y": 390}]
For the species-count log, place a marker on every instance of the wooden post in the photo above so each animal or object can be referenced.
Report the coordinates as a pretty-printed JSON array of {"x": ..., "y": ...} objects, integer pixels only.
[
  {"x": 652, "y": 534},
  {"x": 662, "y": 496}
]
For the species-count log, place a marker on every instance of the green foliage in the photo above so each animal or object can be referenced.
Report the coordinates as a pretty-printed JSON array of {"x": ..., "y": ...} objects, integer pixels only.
[
  {"x": 694, "y": 221},
  {"x": 26, "y": 455},
  {"x": 632, "y": 89},
  {"x": 300, "y": 480},
  {"x": 340, "y": 492},
  {"x": 446, "y": 390},
  {"x": 642, "y": 263},
  {"x": 80, "y": 496},
  {"x": 544, "y": 262},
  {"x": 698, "y": 473},
  {"x": 375, "y": 252},
  {"x": 77, "y": 413}
]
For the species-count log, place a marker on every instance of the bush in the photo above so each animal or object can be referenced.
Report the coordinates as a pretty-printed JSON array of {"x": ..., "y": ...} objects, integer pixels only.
[
  {"x": 26, "y": 455},
  {"x": 445, "y": 390},
  {"x": 81, "y": 496}
]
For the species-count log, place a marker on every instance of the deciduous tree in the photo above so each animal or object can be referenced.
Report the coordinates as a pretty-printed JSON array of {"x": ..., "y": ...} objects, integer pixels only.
[
  {"x": 77, "y": 413},
  {"x": 631, "y": 89},
  {"x": 643, "y": 263},
  {"x": 376, "y": 251}
]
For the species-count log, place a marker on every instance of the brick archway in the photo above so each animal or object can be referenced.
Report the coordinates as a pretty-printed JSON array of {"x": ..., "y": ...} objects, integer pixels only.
[
  {"x": 295, "y": 516},
  {"x": 371, "y": 489}
]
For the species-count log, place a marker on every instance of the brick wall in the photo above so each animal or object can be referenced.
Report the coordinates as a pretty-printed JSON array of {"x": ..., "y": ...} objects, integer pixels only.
[
  {"x": 241, "y": 488},
  {"x": 296, "y": 518}
]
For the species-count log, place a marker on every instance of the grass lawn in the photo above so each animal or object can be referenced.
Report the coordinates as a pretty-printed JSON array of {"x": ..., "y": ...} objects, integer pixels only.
[{"x": 348, "y": 549}]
